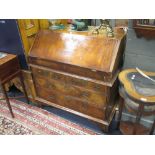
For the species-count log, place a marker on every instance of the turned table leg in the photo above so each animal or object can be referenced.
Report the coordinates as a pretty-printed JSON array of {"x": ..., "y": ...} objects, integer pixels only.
[
  {"x": 121, "y": 105},
  {"x": 7, "y": 99},
  {"x": 138, "y": 116}
]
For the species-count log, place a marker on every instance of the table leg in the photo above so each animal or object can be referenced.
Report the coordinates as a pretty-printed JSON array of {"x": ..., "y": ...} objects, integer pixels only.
[
  {"x": 138, "y": 116},
  {"x": 7, "y": 99},
  {"x": 23, "y": 86},
  {"x": 152, "y": 129},
  {"x": 121, "y": 105}
]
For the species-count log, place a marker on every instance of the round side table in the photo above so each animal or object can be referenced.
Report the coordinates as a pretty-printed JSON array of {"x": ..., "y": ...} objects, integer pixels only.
[{"x": 137, "y": 95}]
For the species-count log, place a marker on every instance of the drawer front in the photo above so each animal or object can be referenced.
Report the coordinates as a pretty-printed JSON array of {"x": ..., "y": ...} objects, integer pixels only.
[
  {"x": 71, "y": 102},
  {"x": 77, "y": 70},
  {"x": 71, "y": 90},
  {"x": 69, "y": 80},
  {"x": 9, "y": 68}
]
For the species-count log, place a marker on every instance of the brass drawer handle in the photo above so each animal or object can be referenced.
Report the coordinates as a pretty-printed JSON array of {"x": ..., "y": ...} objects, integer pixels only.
[
  {"x": 85, "y": 94},
  {"x": 39, "y": 71},
  {"x": 42, "y": 72},
  {"x": 97, "y": 87},
  {"x": 51, "y": 97}
]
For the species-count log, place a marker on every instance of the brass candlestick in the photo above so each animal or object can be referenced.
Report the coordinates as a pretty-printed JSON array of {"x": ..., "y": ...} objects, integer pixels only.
[{"x": 104, "y": 28}]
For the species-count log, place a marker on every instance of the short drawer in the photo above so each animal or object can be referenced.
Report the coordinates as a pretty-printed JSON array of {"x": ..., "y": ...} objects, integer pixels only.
[
  {"x": 69, "y": 79},
  {"x": 71, "y": 90}
]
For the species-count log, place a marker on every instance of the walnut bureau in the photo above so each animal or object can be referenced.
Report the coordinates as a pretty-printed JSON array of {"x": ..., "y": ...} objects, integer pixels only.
[{"x": 77, "y": 72}]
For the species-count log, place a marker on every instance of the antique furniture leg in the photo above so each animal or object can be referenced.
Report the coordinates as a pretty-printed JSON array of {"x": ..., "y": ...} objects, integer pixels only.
[
  {"x": 23, "y": 86},
  {"x": 7, "y": 99},
  {"x": 121, "y": 105},
  {"x": 104, "y": 128},
  {"x": 152, "y": 129},
  {"x": 139, "y": 114}
]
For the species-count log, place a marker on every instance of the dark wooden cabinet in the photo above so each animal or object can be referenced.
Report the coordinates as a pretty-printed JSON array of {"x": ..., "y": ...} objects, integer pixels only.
[
  {"x": 77, "y": 72},
  {"x": 144, "y": 28}
]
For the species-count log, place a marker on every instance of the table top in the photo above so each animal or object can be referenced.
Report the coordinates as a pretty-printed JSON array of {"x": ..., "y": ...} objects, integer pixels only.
[
  {"x": 6, "y": 58},
  {"x": 138, "y": 86}
]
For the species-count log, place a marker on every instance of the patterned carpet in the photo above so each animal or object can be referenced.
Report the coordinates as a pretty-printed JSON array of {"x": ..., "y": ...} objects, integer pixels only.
[{"x": 31, "y": 120}]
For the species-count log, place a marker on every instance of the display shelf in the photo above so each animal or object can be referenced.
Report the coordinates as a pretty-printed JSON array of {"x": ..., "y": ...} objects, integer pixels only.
[{"x": 127, "y": 127}]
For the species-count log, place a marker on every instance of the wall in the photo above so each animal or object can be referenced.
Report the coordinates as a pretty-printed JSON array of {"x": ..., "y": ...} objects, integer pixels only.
[
  {"x": 10, "y": 40},
  {"x": 139, "y": 52}
]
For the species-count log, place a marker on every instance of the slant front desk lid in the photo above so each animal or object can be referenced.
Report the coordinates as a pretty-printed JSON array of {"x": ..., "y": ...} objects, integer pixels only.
[{"x": 87, "y": 52}]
